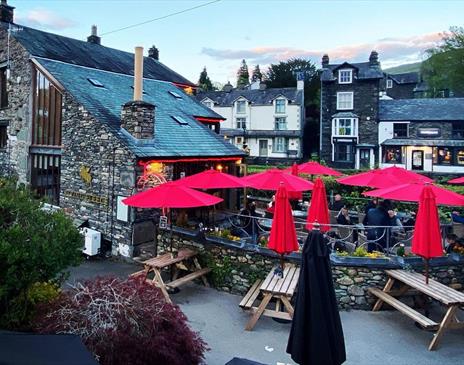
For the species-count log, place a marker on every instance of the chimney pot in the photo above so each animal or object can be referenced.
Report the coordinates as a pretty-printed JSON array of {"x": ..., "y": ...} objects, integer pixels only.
[
  {"x": 153, "y": 52},
  {"x": 138, "y": 73},
  {"x": 228, "y": 87},
  {"x": 93, "y": 37},
  {"x": 6, "y": 12},
  {"x": 325, "y": 60},
  {"x": 374, "y": 59}
]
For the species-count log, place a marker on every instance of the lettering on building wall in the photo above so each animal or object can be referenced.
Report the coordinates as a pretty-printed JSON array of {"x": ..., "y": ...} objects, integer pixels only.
[{"x": 91, "y": 198}]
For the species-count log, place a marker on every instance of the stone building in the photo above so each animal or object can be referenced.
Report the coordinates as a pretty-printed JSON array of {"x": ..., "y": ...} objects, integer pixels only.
[
  {"x": 362, "y": 126},
  {"x": 269, "y": 122},
  {"x": 77, "y": 129}
]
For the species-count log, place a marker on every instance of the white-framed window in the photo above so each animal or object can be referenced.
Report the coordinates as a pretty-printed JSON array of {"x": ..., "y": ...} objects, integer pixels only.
[
  {"x": 400, "y": 130},
  {"x": 241, "y": 105},
  {"x": 389, "y": 84},
  {"x": 345, "y": 76},
  {"x": 280, "y": 144},
  {"x": 280, "y": 124},
  {"x": 239, "y": 141},
  {"x": 344, "y": 152},
  {"x": 241, "y": 123},
  {"x": 345, "y": 127},
  {"x": 280, "y": 106},
  {"x": 345, "y": 100},
  {"x": 208, "y": 104}
]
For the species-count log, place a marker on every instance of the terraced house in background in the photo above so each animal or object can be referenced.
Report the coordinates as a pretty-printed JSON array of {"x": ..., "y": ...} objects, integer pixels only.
[
  {"x": 268, "y": 123},
  {"x": 73, "y": 127},
  {"x": 371, "y": 118}
]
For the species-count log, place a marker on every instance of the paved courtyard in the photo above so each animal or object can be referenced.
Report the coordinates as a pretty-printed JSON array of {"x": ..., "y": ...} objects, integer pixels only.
[{"x": 385, "y": 337}]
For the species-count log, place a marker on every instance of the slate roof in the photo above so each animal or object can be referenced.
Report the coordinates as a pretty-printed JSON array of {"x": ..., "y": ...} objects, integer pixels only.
[
  {"x": 405, "y": 78},
  {"x": 256, "y": 97},
  {"x": 365, "y": 71},
  {"x": 446, "y": 109},
  {"x": 171, "y": 138},
  {"x": 74, "y": 51}
]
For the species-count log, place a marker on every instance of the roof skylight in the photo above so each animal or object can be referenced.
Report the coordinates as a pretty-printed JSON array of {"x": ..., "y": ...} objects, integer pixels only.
[
  {"x": 95, "y": 82},
  {"x": 179, "y": 120},
  {"x": 176, "y": 95}
]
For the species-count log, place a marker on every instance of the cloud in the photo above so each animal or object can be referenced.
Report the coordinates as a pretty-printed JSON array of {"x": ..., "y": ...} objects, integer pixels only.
[
  {"x": 44, "y": 19},
  {"x": 391, "y": 50}
]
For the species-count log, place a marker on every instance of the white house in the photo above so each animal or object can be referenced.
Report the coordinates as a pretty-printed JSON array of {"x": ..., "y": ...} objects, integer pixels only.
[{"x": 268, "y": 122}]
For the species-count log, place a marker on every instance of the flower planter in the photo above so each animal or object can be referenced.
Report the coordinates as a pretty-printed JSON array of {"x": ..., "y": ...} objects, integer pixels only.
[
  {"x": 457, "y": 257},
  {"x": 407, "y": 260},
  {"x": 224, "y": 241},
  {"x": 441, "y": 261},
  {"x": 359, "y": 261}
]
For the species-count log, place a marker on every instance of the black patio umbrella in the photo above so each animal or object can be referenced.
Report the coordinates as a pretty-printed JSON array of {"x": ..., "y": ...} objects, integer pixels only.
[{"x": 316, "y": 337}]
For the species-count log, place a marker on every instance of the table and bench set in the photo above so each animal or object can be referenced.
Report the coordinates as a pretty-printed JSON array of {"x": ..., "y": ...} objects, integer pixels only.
[{"x": 272, "y": 296}]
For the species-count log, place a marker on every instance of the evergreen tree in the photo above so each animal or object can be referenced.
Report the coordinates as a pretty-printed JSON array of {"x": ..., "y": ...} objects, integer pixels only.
[
  {"x": 204, "y": 82},
  {"x": 243, "y": 77},
  {"x": 257, "y": 75}
]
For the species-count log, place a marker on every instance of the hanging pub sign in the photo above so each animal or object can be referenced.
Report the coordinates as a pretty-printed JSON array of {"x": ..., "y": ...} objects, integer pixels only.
[{"x": 163, "y": 223}]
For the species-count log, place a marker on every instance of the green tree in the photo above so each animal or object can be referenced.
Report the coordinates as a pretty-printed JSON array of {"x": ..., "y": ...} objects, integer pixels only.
[
  {"x": 256, "y": 75},
  {"x": 444, "y": 68},
  {"x": 36, "y": 246},
  {"x": 243, "y": 77},
  {"x": 204, "y": 82}
]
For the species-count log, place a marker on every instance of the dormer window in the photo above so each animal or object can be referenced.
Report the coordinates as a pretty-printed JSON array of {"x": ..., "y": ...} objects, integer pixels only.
[
  {"x": 241, "y": 104},
  {"x": 345, "y": 76},
  {"x": 389, "y": 84},
  {"x": 208, "y": 104},
  {"x": 345, "y": 100},
  {"x": 280, "y": 106}
]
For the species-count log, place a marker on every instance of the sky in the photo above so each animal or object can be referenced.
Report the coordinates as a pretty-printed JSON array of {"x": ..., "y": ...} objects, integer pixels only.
[{"x": 220, "y": 33}]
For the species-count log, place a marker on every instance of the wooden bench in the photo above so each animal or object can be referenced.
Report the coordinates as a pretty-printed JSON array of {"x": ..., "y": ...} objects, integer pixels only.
[
  {"x": 449, "y": 297},
  {"x": 272, "y": 287},
  {"x": 177, "y": 264}
]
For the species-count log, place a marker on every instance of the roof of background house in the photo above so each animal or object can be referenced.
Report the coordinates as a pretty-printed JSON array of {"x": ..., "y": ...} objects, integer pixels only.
[
  {"x": 365, "y": 71},
  {"x": 422, "y": 109},
  {"x": 171, "y": 138},
  {"x": 255, "y": 97},
  {"x": 405, "y": 78},
  {"x": 74, "y": 51}
]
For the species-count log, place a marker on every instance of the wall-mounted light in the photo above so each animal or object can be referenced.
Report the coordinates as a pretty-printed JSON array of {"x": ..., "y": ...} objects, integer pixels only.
[{"x": 219, "y": 167}]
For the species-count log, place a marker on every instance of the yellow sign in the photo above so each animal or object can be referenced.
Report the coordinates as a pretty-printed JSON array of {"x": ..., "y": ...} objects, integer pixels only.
[{"x": 85, "y": 175}]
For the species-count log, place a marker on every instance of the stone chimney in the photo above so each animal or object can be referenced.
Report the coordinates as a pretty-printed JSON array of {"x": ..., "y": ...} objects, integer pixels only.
[
  {"x": 325, "y": 61},
  {"x": 153, "y": 52},
  {"x": 6, "y": 12},
  {"x": 138, "y": 116},
  {"x": 262, "y": 85},
  {"x": 228, "y": 87},
  {"x": 93, "y": 37},
  {"x": 374, "y": 59}
]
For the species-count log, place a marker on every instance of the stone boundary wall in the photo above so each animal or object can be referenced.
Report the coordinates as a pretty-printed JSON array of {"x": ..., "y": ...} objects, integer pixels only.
[{"x": 234, "y": 269}]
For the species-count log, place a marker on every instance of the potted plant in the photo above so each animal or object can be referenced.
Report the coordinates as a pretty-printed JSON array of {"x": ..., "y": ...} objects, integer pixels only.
[
  {"x": 404, "y": 257},
  {"x": 360, "y": 256}
]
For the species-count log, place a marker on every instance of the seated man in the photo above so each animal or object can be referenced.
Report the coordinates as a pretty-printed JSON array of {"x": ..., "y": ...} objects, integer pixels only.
[
  {"x": 338, "y": 203},
  {"x": 451, "y": 243},
  {"x": 343, "y": 217}
]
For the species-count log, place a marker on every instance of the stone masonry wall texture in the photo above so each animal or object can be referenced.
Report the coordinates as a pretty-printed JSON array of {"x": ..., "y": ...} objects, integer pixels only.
[{"x": 14, "y": 158}]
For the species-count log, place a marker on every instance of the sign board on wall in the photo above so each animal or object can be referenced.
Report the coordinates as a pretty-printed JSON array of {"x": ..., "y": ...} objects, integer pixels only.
[{"x": 122, "y": 210}]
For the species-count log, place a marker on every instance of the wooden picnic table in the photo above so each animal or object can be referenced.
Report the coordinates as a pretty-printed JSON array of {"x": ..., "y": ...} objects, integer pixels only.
[
  {"x": 273, "y": 286},
  {"x": 185, "y": 260},
  {"x": 452, "y": 299}
]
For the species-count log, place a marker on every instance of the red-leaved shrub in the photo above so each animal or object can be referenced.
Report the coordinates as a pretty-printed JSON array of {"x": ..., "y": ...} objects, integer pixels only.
[{"x": 124, "y": 322}]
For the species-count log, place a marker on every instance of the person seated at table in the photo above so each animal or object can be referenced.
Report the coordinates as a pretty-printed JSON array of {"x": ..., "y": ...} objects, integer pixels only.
[
  {"x": 343, "y": 217},
  {"x": 247, "y": 219},
  {"x": 378, "y": 218},
  {"x": 410, "y": 221},
  {"x": 395, "y": 222},
  {"x": 270, "y": 208},
  {"x": 451, "y": 243},
  {"x": 337, "y": 203},
  {"x": 456, "y": 217}
]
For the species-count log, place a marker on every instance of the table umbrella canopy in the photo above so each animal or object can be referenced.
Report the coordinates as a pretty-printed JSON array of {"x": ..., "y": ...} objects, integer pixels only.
[
  {"x": 426, "y": 241},
  {"x": 282, "y": 238},
  {"x": 212, "y": 179},
  {"x": 318, "y": 210},
  {"x": 383, "y": 178},
  {"x": 315, "y": 168},
  {"x": 295, "y": 195},
  {"x": 411, "y": 192},
  {"x": 459, "y": 180},
  {"x": 271, "y": 180},
  {"x": 171, "y": 195},
  {"x": 316, "y": 336}
]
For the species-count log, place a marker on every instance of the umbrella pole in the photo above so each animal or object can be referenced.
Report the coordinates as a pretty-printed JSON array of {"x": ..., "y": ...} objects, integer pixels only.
[
  {"x": 426, "y": 271},
  {"x": 282, "y": 265},
  {"x": 170, "y": 235}
]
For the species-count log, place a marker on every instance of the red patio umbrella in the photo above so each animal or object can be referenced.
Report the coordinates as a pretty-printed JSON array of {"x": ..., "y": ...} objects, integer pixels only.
[
  {"x": 212, "y": 179},
  {"x": 272, "y": 178},
  {"x": 171, "y": 195},
  {"x": 426, "y": 241},
  {"x": 315, "y": 168},
  {"x": 283, "y": 238},
  {"x": 295, "y": 195},
  {"x": 383, "y": 178},
  {"x": 411, "y": 192},
  {"x": 318, "y": 210},
  {"x": 459, "y": 180}
]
